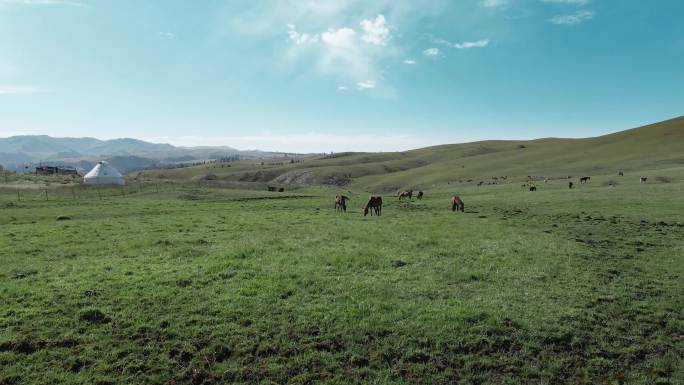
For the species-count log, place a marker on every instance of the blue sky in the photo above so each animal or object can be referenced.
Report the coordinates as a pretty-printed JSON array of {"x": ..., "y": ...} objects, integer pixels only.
[{"x": 314, "y": 75}]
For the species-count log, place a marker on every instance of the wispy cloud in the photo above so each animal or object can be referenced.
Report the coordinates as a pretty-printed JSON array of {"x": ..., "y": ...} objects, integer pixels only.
[
  {"x": 409, "y": 61},
  {"x": 494, "y": 3},
  {"x": 472, "y": 44},
  {"x": 46, "y": 2},
  {"x": 342, "y": 88},
  {"x": 462, "y": 45},
  {"x": 572, "y": 19},
  {"x": 365, "y": 85},
  {"x": 574, "y": 2},
  {"x": 300, "y": 38},
  {"x": 431, "y": 52},
  {"x": 17, "y": 90},
  {"x": 166, "y": 35}
]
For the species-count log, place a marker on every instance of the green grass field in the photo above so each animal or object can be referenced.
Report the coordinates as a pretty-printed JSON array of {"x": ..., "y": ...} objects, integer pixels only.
[
  {"x": 655, "y": 147},
  {"x": 198, "y": 285}
]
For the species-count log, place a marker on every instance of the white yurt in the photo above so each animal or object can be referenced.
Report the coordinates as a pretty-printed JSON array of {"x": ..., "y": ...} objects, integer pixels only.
[{"x": 104, "y": 173}]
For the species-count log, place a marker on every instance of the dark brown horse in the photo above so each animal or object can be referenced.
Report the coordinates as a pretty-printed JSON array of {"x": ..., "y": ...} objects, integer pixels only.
[
  {"x": 341, "y": 203},
  {"x": 457, "y": 204},
  {"x": 374, "y": 204},
  {"x": 584, "y": 179},
  {"x": 420, "y": 195}
]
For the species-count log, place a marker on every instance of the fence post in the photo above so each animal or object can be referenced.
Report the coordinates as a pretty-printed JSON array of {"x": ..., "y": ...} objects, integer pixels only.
[
  {"x": 73, "y": 194},
  {"x": 156, "y": 188},
  {"x": 18, "y": 195},
  {"x": 46, "y": 195}
]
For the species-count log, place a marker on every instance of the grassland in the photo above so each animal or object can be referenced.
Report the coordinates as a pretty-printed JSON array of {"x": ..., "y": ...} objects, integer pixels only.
[
  {"x": 653, "y": 147},
  {"x": 200, "y": 285}
]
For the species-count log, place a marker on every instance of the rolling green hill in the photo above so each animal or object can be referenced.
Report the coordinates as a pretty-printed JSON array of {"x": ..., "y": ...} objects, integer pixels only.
[{"x": 651, "y": 147}]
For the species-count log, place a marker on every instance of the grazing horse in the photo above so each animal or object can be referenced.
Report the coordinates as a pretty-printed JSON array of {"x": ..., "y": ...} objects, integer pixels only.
[
  {"x": 585, "y": 179},
  {"x": 406, "y": 194},
  {"x": 420, "y": 195},
  {"x": 532, "y": 188},
  {"x": 341, "y": 203},
  {"x": 642, "y": 179},
  {"x": 570, "y": 185},
  {"x": 621, "y": 173},
  {"x": 457, "y": 204},
  {"x": 374, "y": 204}
]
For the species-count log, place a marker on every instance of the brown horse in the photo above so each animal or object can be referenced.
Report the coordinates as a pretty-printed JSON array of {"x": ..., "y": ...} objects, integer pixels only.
[
  {"x": 457, "y": 204},
  {"x": 420, "y": 195},
  {"x": 374, "y": 204},
  {"x": 406, "y": 194},
  {"x": 341, "y": 203},
  {"x": 584, "y": 179}
]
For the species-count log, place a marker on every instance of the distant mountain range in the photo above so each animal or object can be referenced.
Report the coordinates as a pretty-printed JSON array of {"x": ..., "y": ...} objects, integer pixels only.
[{"x": 22, "y": 153}]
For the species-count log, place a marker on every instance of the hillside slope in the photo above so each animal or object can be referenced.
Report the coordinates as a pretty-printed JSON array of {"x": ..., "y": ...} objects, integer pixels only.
[{"x": 650, "y": 147}]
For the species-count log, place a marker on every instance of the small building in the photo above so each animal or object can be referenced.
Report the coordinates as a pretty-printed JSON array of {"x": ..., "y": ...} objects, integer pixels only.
[
  {"x": 55, "y": 170},
  {"x": 104, "y": 174}
]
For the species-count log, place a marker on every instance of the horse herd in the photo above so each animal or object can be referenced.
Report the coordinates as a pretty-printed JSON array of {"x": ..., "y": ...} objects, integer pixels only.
[
  {"x": 374, "y": 203},
  {"x": 582, "y": 180}
]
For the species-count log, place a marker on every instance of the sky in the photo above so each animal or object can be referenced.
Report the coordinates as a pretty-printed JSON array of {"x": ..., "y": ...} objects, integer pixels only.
[{"x": 338, "y": 75}]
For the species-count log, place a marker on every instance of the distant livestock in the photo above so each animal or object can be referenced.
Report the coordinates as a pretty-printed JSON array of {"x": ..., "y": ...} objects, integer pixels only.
[
  {"x": 620, "y": 173},
  {"x": 406, "y": 194},
  {"x": 420, "y": 195},
  {"x": 642, "y": 179},
  {"x": 570, "y": 185},
  {"x": 457, "y": 204},
  {"x": 374, "y": 204},
  {"x": 533, "y": 188},
  {"x": 341, "y": 203},
  {"x": 585, "y": 179}
]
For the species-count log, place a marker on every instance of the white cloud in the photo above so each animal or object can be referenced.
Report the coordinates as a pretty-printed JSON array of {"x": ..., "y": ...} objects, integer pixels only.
[
  {"x": 342, "y": 38},
  {"x": 494, "y": 3},
  {"x": 259, "y": 23},
  {"x": 353, "y": 54},
  {"x": 16, "y": 90},
  {"x": 575, "y": 2},
  {"x": 375, "y": 31},
  {"x": 572, "y": 19},
  {"x": 301, "y": 38},
  {"x": 409, "y": 61},
  {"x": 365, "y": 85},
  {"x": 462, "y": 45},
  {"x": 45, "y": 2},
  {"x": 166, "y": 35},
  {"x": 472, "y": 44},
  {"x": 342, "y": 88},
  {"x": 431, "y": 52}
]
